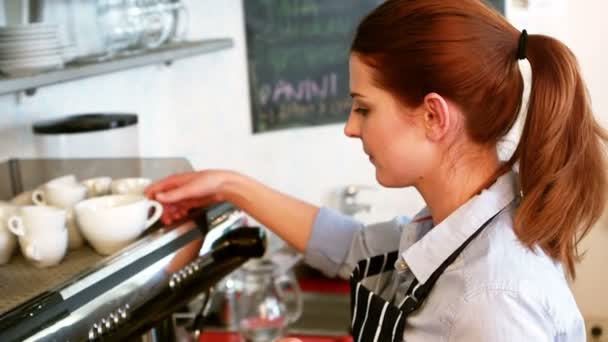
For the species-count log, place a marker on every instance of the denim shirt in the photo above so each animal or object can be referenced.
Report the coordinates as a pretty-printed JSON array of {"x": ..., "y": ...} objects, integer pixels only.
[{"x": 496, "y": 290}]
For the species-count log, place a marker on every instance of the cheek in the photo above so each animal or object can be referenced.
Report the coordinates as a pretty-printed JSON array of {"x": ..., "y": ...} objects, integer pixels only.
[
  {"x": 409, "y": 165},
  {"x": 410, "y": 158}
]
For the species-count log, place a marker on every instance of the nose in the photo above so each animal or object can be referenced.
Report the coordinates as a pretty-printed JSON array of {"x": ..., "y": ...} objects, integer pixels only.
[{"x": 352, "y": 127}]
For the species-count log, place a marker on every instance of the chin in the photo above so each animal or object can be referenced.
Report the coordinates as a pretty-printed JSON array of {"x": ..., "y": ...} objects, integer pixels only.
[
  {"x": 391, "y": 181},
  {"x": 387, "y": 182}
]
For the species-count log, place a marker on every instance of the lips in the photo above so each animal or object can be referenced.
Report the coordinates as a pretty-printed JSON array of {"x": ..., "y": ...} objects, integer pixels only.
[
  {"x": 369, "y": 155},
  {"x": 371, "y": 158}
]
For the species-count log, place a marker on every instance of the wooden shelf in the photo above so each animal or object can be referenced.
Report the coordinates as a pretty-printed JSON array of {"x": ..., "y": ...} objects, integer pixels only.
[{"x": 78, "y": 70}]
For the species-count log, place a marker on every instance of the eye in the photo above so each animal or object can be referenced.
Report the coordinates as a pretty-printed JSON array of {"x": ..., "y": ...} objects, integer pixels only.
[{"x": 361, "y": 110}]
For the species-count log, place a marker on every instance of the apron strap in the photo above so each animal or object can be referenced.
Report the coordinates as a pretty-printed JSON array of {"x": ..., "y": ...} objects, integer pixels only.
[{"x": 417, "y": 293}]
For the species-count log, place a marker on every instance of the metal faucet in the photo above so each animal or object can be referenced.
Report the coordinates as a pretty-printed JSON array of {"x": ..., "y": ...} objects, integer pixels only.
[{"x": 348, "y": 200}]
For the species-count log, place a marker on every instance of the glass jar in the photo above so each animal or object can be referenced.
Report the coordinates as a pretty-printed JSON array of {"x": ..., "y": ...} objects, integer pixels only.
[
  {"x": 120, "y": 30},
  {"x": 155, "y": 21},
  {"x": 267, "y": 303}
]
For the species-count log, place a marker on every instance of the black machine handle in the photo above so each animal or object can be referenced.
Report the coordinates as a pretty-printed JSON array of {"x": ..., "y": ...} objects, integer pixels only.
[
  {"x": 227, "y": 253},
  {"x": 244, "y": 242}
]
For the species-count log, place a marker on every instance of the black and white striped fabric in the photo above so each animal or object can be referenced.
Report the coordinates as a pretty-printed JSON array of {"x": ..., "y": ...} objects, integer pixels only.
[{"x": 375, "y": 319}]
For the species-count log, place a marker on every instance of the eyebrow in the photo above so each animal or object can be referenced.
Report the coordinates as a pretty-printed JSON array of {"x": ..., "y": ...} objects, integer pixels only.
[{"x": 353, "y": 94}]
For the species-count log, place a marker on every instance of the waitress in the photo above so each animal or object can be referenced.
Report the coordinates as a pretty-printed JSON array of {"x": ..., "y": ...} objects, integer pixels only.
[{"x": 436, "y": 85}]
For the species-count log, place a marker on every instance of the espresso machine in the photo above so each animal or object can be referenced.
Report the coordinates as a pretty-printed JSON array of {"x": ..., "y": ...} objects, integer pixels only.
[{"x": 125, "y": 295}]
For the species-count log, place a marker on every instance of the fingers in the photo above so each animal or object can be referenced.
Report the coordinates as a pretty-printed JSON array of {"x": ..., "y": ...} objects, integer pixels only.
[
  {"x": 185, "y": 192},
  {"x": 175, "y": 190},
  {"x": 167, "y": 216},
  {"x": 172, "y": 216},
  {"x": 168, "y": 183},
  {"x": 174, "y": 212},
  {"x": 182, "y": 192}
]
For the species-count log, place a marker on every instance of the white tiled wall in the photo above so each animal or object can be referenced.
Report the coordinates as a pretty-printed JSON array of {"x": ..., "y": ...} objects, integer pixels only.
[{"x": 198, "y": 108}]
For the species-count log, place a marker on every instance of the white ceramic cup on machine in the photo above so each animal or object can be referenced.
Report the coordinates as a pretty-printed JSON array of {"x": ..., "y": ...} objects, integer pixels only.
[
  {"x": 133, "y": 185},
  {"x": 110, "y": 223},
  {"x": 67, "y": 179},
  {"x": 63, "y": 192},
  {"x": 42, "y": 234},
  {"x": 8, "y": 241},
  {"x": 98, "y": 186}
]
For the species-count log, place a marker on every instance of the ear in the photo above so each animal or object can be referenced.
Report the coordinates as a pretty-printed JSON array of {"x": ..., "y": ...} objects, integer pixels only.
[{"x": 437, "y": 118}]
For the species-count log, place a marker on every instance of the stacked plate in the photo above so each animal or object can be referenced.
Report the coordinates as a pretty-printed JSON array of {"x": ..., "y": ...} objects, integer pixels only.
[{"x": 30, "y": 49}]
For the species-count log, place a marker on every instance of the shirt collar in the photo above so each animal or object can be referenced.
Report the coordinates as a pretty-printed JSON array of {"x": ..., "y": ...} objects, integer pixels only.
[{"x": 432, "y": 249}]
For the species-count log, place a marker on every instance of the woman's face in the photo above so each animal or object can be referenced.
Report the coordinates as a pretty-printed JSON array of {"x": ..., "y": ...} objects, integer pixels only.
[{"x": 393, "y": 136}]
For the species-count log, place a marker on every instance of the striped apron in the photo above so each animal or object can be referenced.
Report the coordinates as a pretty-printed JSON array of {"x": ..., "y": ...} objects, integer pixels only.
[{"x": 375, "y": 319}]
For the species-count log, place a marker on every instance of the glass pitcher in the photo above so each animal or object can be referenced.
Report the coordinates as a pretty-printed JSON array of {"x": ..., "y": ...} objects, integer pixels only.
[
  {"x": 119, "y": 29},
  {"x": 267, "y": 303}
]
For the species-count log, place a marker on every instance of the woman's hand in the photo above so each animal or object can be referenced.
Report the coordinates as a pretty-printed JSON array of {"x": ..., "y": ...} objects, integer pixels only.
[
  {"x": 288, "y": 217},
  {"x": 181, "y": 192}
]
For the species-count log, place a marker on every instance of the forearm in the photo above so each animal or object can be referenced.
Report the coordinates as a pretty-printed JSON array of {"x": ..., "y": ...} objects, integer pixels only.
[{"x": 288, "y": 217}]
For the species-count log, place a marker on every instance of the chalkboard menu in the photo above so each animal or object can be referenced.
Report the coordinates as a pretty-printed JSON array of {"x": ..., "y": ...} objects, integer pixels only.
[
  {"x": 498, "y": 4},
  {"x": 297, "y": 52},
  {"x": 298, "y": 60}
]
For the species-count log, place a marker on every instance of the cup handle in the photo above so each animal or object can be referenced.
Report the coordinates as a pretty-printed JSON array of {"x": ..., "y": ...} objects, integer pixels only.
[
  {"x": 285, "y": 281},
  {"x": 15, "y": 225},
  {"x": 38, "y": 197},
  {"x": 158, "y": 211}
]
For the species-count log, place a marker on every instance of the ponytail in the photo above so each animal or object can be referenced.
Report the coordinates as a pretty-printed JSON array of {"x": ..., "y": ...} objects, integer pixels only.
[{"x": 561, "y": 156}]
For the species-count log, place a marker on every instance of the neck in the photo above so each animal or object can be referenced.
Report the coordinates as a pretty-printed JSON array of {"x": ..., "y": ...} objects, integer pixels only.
[{"x": 453, "y": 185}]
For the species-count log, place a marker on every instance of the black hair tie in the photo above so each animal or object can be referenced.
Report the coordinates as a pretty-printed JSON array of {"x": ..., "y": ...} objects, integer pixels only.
[{"x": 522, "y": 49}]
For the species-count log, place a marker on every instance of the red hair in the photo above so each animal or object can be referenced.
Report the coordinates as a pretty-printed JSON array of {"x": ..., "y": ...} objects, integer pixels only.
[{"x": 467, "y": 52}]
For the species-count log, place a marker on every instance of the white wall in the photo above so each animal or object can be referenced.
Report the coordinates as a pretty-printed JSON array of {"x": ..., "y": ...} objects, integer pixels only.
[
  {"x": 588, "y": 38},
  {"x": 198, "y": 108}
]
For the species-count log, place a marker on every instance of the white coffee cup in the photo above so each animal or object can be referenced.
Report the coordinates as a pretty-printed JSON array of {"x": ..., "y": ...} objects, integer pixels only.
[
  {"x": 98, "y": 186},
  {"x": 60, "y": 195},
  {"x": 8, "y": 241},
  {"x": 134, "y": 186},
  {"x": 42, "y": 234},
  {"x": 63, "y": 192},
  {"x": 67, "y": 179},
  {"x": 110, "y": 223}
]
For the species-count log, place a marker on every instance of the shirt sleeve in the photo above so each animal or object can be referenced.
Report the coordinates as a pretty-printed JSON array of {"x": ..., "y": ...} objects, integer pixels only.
[
  {"x": 500, "y": 316},
  {"x": 339, "y": 241}
]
